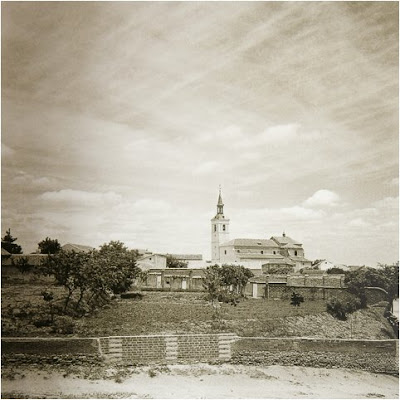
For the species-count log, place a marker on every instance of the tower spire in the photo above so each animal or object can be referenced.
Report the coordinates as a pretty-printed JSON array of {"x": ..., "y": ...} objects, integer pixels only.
[{"x": 220, "y": 204}]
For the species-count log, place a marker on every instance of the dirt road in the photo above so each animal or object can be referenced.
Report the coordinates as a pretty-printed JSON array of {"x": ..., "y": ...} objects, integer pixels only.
[{"x": 203, "y": 381}]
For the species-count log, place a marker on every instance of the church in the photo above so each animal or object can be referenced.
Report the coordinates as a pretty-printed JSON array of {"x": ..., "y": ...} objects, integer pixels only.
[{"x": 278, "y": 251}]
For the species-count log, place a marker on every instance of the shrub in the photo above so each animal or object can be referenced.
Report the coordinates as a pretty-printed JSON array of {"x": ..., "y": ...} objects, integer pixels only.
[
  {"x": 132, "y": 295},
  {"x": 340, "y": 309},
  {"x": 296, "y": 299},
  {"x": 63, "y": 324}
]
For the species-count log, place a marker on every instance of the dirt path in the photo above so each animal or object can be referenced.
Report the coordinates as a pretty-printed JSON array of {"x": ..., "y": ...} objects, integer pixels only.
[{"x": 205, "y": 381}]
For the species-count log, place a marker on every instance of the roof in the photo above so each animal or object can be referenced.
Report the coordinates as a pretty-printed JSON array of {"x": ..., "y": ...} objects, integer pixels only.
[
  {"x": 143, "y": 257},
  {"x": 291, "y": 246},
  {"x": 281, "y": 240},
  {"x": 282, "y": 260},
  {"x": 77, "y": 247},
  {"x": 33, "y": 259},
  {"x": 250, "y": 243},
  {"x": 258, "y": 256},
  {"x": 187, "y": 256}
]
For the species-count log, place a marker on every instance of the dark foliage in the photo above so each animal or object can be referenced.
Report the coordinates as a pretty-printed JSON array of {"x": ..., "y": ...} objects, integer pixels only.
[
  {"x": 296, "y": 299},
  {"x": 7, "y": 243},
  {"x": 49, "y": 246}
]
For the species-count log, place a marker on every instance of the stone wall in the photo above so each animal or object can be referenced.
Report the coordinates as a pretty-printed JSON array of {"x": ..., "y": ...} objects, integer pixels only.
[{"x": 380, "y": 356}]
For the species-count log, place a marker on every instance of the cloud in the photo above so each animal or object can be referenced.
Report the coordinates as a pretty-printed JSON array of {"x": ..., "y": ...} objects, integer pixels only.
[
  {"x": 302, "y": 213},
  {"x": 206, "y": 168},
  {"x": 80, "y": 198},
  {"x": 322, "y": 198}
]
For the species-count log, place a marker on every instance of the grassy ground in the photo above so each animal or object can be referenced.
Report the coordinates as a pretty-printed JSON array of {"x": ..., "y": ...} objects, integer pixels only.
[{"x": 161, "y": 312}]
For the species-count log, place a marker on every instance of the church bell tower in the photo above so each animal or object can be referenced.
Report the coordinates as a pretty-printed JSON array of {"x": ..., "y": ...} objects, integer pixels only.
[{"x": 219, "y": 230}]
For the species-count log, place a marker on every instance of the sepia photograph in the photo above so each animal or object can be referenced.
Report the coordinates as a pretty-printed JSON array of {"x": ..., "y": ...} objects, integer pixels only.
[{"x": 199, "y": 199}]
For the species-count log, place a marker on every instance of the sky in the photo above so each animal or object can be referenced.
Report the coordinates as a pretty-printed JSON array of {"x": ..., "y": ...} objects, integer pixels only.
[{"x": 121, "y": 119}]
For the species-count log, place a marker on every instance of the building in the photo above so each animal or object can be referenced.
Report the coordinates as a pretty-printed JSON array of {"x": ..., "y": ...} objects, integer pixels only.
[
  {"x": 323, "y": 265},
  {"x": 191, "y": 260},
  {"x": 152, "y": 261},
  {"x": 253, "y": 253}
]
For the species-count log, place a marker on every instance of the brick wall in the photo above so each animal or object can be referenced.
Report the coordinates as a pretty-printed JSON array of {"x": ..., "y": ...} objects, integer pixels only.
[{"x": 130, "y": 350}]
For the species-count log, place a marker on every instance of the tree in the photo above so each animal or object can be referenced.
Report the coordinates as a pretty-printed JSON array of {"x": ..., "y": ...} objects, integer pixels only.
[
  {"x": 22, "y": 265},
  {"x": 90, "y": 278},
  {"x": 226, "y": 283},
  {"x": 49, "y": 246},
  {"x": 335, "y": 270},
  {"x": 70, "y": 270},
  {"x": 7, "y": 243},
  {"x": 173, "y": 262},
  {"x": 385, "y": 277}
]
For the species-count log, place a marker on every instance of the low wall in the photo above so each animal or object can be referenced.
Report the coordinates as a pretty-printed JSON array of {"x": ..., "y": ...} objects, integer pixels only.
[
  {"x": 130, "y": 350},
  {"x": 380, "y": 356}
]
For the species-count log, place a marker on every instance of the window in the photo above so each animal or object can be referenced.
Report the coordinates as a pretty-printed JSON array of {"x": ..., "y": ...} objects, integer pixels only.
[
  {"x": 223, "y": 227},
  {"x": 150, "y": 258},
  {"x": 274, "y": 252},
  {"x": 215, "y": 228},
  {"x": 295, "y": 252},
  {"x": 224, "y": 251},
  {"x": 238, "y": 251},
  {"x": 262, "y": 252}
]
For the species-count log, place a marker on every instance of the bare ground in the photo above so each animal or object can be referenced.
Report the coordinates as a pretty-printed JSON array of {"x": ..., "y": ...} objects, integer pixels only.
[{"x": 201, "y": 381}]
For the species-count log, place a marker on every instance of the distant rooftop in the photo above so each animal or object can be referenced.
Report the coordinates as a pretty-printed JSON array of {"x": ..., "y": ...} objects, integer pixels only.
[
  {"x": 77, "y": 247},
  {"x": 187, "y": 257},
  {"x": 250, "y": 243}
]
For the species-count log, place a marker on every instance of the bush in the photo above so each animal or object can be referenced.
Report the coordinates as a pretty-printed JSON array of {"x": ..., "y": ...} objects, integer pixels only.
[
  {"x": 63, "y": 324},
  {"x": 132, "y": 295},
  {"x": 41, "y": 319},
  {"x": 340, "y": 309},
  {"x": 296, "y": 299}
]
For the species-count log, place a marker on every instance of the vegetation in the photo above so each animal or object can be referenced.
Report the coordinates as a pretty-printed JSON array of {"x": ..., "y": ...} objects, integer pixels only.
[
  {"x": 279, "y": 269},
  {"x": 49, "y": 246},
  {"x": 91, "y": 277},
  {"x": 340, "y": 309},
  {"x": 335, "y": 270},
  {"x": 22, "y": 265},
  {"x": 172, "y": 262},
  {"x": 226, "y": 283},
  {"x": 296, "y": 299},
  {"x": 7, "y": 243},
  {"x": 385, "y": 277}
]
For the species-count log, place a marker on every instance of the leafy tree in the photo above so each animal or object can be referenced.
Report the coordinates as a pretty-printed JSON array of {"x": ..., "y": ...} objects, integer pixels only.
[
  {"x": 173, "y": 262},
  {"x": 49, "y": 246},
  {"x": 385, "y": 277},
  {"x": 391, "y": 273},
  {"x": 226, "y": 282},
  {"x": 22, "y": 265},
  {"x": 70, "y": 270},
  {"x": 7, "y": 243},
  {"x": 90, "y": 278},
  {"x": 335, "y": 270},
  {"x": 296, "y": 299},
  {"x": 118, "y": 265}
]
